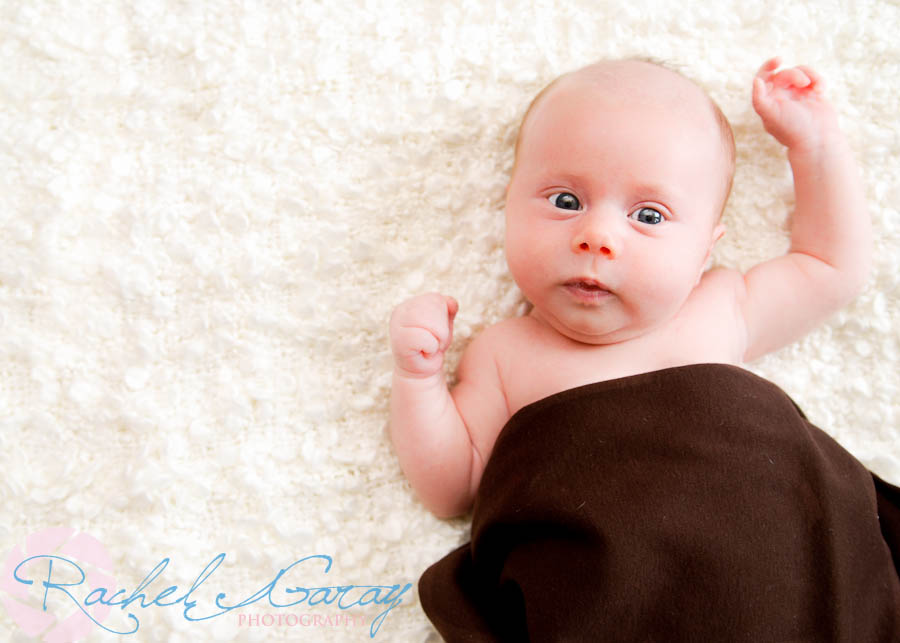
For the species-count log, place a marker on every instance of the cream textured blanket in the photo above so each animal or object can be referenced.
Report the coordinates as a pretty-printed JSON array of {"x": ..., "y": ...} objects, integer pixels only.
[{"x": 208, "y": 211}]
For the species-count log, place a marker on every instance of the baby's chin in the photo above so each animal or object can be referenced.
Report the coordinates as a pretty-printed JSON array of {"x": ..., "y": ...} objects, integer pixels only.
[
  {"x": 591, "y": 337},
  {"x": 594, "y": 332}
]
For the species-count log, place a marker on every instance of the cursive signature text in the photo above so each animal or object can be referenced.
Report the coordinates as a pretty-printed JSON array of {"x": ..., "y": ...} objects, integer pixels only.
[{"x": 278, "y": 592}]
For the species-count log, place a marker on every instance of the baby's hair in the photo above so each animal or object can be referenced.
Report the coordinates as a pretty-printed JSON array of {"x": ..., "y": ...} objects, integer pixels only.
[{"x": 725, "y": 131}]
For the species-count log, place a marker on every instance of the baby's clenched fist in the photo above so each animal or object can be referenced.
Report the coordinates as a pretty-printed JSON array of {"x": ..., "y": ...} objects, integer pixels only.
[{"x": 421, "y": 330}]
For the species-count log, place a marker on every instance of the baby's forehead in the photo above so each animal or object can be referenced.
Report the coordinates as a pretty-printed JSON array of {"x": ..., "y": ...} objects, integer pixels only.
[
  {"x": 633, "y": 89},
  {"x": 635, "y": 81}
]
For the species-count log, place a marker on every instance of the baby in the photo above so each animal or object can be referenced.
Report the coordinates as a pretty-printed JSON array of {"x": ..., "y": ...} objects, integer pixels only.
[
  {"x": 629, "y": 481},
  {"x": 621, "y": 174}
]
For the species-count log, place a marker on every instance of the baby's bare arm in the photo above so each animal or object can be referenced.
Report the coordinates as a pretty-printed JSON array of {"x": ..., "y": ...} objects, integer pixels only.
[
  {"x": 431, "y": 429},
  {"x": 829, "y": 257}
]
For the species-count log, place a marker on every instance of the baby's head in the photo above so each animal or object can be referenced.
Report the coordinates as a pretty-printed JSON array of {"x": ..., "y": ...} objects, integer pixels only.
[
  {"x": 622, "y": 171},
  {"x": 617, "y": 71}
]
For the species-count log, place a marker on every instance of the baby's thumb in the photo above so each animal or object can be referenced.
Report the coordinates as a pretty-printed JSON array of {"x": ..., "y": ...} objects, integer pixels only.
[
  {"x": 452, "y": 307},
  {"x": 760, "y": 97}
]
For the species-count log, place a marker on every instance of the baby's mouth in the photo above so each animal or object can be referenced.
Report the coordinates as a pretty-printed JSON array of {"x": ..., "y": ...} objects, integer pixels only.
[
  {"x": 587, "y": 290},
  {"x": 588, "y": 285}
]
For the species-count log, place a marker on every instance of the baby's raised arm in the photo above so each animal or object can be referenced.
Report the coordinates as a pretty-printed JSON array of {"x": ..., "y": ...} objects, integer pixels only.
[
  {"x": 829, "y": 256},
  {"x": 436, "y": 434}
]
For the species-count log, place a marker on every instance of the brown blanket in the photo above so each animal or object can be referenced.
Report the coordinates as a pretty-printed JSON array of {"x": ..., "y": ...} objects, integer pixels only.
[{"x": 694, "y": 503}]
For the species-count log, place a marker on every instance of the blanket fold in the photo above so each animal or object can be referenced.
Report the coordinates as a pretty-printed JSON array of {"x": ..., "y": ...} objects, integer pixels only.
[{"x": 694, "y": 503}]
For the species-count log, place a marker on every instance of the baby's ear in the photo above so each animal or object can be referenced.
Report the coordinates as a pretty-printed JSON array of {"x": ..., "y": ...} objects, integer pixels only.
[
  {"x": 718, "y": 231},
  {"x": 717, "y": 234}
]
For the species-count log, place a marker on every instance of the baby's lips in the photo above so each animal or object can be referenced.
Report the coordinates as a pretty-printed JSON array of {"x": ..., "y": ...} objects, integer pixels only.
[{"x": 588, "y": 282}]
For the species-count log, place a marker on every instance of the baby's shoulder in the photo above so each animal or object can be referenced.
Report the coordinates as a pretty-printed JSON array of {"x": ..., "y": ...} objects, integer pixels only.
[
  {"x": 509, "y": 333},
  {"x": 720, "y": 287},
  {"x": 720, "y": 276},
  {"x": 713, "y": 312},
  {"x": 496, "y": 344}
]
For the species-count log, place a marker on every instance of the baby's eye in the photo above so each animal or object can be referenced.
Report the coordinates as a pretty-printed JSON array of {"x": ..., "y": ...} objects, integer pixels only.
[
  {"x": 565, "y": 201},
  {"x": 647, "y": 215}
]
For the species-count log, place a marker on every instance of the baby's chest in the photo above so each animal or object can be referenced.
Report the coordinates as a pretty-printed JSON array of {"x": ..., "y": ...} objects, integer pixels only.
[{"x": 546, "y": 368}]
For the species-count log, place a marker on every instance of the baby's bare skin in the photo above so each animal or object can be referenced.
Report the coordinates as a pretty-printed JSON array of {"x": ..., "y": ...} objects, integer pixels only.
[{"x": 612, "y": 213}]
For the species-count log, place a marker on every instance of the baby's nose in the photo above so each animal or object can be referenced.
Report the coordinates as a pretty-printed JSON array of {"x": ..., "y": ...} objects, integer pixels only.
[
  {"x": 597, "y": 239},
  {"x": 605, "y": 249}
]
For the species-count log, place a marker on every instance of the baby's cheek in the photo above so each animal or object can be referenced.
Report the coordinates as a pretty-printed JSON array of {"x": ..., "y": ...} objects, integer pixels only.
[
  {"x": 520, "y": 244},
  {"x": 521, "y": 266},
  {"x": 666, "y": 291},
  {"x": 527, "y": 266}
]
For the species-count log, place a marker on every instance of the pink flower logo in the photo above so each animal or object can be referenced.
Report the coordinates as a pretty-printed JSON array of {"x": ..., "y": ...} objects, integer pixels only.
[{"x": 55, "y": 615}]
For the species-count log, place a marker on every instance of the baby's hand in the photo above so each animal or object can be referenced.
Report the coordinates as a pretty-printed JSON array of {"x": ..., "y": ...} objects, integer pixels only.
[
  {"x": 792, "y": 105},
  {"x": 421, "y": 330}
]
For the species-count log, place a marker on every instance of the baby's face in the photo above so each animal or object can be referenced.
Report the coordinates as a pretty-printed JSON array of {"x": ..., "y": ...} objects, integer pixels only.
[{"x": 612, "y": 207}]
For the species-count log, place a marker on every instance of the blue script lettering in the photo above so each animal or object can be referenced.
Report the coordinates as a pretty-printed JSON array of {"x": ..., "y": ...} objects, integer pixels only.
[
  {"x": 345, "y": 596},
  {"x": 48, "y": 585}
]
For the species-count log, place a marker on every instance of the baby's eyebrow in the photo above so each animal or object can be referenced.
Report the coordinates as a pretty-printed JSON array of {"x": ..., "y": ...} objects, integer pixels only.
[
  {"x": 654, "y": 190},
  {"x": 548, "y": 173},
  {"x": 664, "y": 194}
]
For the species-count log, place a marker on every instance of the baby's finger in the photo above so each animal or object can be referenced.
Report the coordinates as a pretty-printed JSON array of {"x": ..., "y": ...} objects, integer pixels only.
[
  {"x": 452, "y": 307},
  {"x": 769, "y": 66},
  {"x": 815, "y": 79},
  {"x": 446, "y": 338},
  {"x": 793, "y": 77},
  {"x": 412, "y": 340},
  {"x": 760, "y": 96}
]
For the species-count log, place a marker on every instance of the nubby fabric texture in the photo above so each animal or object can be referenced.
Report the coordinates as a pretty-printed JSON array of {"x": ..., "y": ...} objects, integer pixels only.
[
  {"x": 694, "y": 503},
  {"x": 209, "y": 210}
]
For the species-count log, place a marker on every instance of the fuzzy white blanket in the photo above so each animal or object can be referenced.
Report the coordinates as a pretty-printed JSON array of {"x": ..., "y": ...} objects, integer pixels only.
[{"x": 208, "y": 211}]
